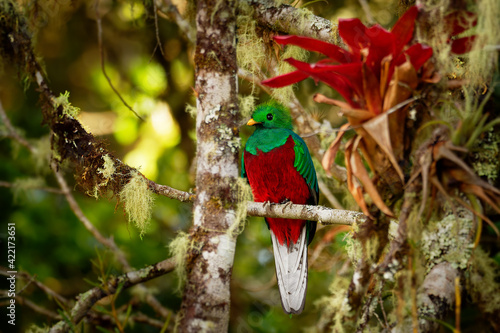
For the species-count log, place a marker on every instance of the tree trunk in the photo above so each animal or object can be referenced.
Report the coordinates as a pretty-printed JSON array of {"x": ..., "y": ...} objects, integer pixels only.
[{"x": 206, "y": 301}]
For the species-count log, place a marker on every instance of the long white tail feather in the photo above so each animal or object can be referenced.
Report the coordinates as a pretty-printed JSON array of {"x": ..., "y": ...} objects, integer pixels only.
[{"x": 291, "y": 271}]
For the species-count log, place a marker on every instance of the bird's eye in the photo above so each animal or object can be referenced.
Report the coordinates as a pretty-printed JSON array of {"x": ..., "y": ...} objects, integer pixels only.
[{"x": 269, "y": 116}]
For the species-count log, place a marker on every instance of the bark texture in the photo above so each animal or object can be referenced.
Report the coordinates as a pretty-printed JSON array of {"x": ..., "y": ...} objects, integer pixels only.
[{"x": 206, "y": 300}]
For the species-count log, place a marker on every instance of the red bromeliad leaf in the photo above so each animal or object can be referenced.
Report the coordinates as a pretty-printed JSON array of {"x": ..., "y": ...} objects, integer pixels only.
[
  {"x": 330, "y": 50},
  {"x": 418, "y": 55},
  {"x": 351, "y": 72},
  {"x": 285, "y": 79},
  {"x": 382, "y": 45},
  {"x": 403, "y": 29},
  {"x": 334, "y": 80},
  {"x": 462, "y": 45},
  {"x": 353, "y": 33},
  {"x": 371, "y": 88},
  {"x": 459, "y": 21}
]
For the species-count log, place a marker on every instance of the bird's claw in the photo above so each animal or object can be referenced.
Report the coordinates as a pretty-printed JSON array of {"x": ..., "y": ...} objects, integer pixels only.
[
  {"x": 266, "y": 204},
  {"x": 287, "y": 203}
]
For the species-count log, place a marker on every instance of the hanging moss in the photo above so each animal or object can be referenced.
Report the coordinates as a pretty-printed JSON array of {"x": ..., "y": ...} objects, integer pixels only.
[
  {"x": 178, "y": 248},
  {"x": 250, "y": 50},
  {"x": 42, "y": 154},
  {"x": 22, "y": 186},
  {"x": 483, "y": 59},
  {"x": 138, "y": 201},
  {"x": 335, "y": 306},
  {"x": 285, "y": 94},
  {"x": 244, "y": 194},
  {"x": 246, "y": 105},
  {"x": 483, "y": 285}
]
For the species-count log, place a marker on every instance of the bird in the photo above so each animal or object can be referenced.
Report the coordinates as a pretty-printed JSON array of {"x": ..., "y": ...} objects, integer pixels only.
[{"x": 279, "y": 169}]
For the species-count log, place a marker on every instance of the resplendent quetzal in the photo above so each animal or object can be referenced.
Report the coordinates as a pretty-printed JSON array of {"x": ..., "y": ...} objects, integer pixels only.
[{"x": 279, "y": 168}]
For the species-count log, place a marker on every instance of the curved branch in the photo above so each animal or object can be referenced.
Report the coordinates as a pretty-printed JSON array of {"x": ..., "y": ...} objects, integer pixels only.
[{"x": 89, "y": 298}]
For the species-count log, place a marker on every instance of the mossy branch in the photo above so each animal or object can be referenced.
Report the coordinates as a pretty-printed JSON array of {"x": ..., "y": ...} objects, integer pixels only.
[
  {"x": 294, "y": 21},
  {"x": 90, "y": 297}
]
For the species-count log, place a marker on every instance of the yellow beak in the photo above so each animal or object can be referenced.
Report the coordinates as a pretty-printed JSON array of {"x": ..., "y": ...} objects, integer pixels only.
[{"x": 252, "y": 122}]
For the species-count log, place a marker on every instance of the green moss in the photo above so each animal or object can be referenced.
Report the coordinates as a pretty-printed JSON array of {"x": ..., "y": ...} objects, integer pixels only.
[
  {"x": 483, "y": 282},
  {"x": 35, "y": 329},
  {"x": 486, "y": 156},
  {"x": 448, "y": 240},
  {"x": 178, "y": 249},
  {"x": 244, "y": 194},
  {"x": 42, "y": 154},
  {"x": 107, "y": 172},
  {"x": 335, "y": 307},
  {"x": 285, "y": 94},
  {"x": 247, "y": 105},
  {"x": 250, "y": 50},
  {"x": 138, "y": 201},
  {"x": 353, "y": 247},
  {"x": 191, "y": 110},
  {"x": 22, "y": 186},
  {"x": 67, "y": 108},
  {"x": 483, "y": 59}
]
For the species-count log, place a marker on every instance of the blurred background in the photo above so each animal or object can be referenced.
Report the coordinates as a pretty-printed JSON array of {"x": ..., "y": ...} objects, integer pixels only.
[{"x": 156, "y": 81}]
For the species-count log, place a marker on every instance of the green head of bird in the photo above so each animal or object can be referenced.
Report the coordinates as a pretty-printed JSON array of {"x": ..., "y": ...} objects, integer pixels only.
[{"x": 271, "y": 115}]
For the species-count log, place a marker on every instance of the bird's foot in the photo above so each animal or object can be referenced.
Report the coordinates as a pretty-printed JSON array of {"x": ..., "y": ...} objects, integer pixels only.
[
  {"x": 266, "y": 204},
  {"x": 287, "y": 203}
]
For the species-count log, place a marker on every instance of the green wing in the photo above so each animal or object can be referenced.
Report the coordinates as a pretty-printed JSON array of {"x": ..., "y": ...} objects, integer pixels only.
[
  {"x": 304, "y": 165},
  {"x": 243, "y": 172}
]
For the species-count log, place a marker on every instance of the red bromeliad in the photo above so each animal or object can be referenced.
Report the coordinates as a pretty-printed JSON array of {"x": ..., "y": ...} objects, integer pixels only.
[
  {"x": 376, "y": 75},
  {"x": 370, "y": 61}
]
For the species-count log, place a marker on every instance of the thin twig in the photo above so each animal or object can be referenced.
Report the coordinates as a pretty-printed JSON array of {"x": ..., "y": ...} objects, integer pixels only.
[
  {"x": 167, "y": 8},
  {"x": 103, "y": 65},
  {"x": 90, "y": 297},
  {"x": 24, "y": 301},
  {"x": 142, "y": 318},
  {"x": 157, "y": 31},
  {"x": 366, "y": 9},
  {"x": 107, "y": 242},
  {"x": 42, "y": 188},
  {"x": 329, "y": 195},
  {"x": 247, "y": 76},
  {"x": 12, "y": 132}
]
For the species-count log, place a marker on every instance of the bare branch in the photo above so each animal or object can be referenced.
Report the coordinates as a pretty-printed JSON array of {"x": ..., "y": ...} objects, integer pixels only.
[
  {"x": 12, "y": 132},
  {"x": 108, "y": 242},
  {"x": 32, "y": 279},
  {"x": 323, "y": 215},
  {"x": 43, "y": 188},
  {"x": 89, "y": 298},
  {"x": 103, "y": 65},
  {"x": 26, "y": 302},
  {"x": 167, "y": 8}
]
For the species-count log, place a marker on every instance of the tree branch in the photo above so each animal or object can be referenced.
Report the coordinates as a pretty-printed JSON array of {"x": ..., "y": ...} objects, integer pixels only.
[
  {"x": 89, "y": 298},
  {"x": 324, "y": 215},
  {"x": 290, "y": 20}
]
